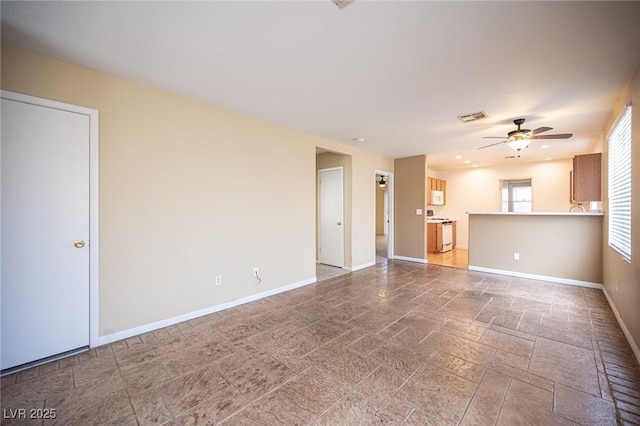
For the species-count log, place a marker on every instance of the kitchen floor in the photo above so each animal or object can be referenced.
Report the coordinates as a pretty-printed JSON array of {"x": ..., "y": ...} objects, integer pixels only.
[
  {"x": 456, "y": 258},
  {"x": 397, "y": 343}
]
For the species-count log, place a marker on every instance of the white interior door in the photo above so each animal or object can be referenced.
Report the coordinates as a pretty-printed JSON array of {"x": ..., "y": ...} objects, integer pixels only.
[
  {"x": 45, "y": 222},
  {"x": 331, "y": 217}
]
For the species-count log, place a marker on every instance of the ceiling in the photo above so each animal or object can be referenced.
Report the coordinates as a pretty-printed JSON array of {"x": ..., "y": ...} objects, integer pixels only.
[{"x": 394, "y": 73}]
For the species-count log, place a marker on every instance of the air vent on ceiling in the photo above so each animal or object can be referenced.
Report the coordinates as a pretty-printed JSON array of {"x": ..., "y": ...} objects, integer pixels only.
[
  {"x": 342, "y": 3},
  {"x": 473, "y": 116}
]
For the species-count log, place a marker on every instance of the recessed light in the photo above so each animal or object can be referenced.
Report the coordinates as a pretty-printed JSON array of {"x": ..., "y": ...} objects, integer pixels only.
[
  {"x": 545, "y": 146},
  {"x": 467, "y": 161},
  {"x": 548, "y": 158},
  {"x": 475, "y": 165},
  {"x": 458, "y": 157},
  {"x": 359, "y": 139}
]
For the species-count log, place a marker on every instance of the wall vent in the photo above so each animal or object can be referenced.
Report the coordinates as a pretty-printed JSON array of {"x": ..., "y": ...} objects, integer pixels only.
[
  {"x": 342, "y": 3},
  {"x": 473, "y": 116}
]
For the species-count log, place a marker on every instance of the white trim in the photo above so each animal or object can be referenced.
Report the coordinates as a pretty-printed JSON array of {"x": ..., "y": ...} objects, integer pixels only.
[
  {"x": 623, "y": 326},
  {"x": 410, "y": 259},
  {"x": 537, "y": 277},
  {"x": 135, "y": 331},
  {"x": 94, "y": 260},
  {"x": 362, "y": 266}
]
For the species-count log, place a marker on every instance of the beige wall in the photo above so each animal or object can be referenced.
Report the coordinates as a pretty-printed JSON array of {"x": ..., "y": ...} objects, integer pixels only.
[
  {"x": 621, "y": 278},
  {"x": 559, "y": 246},
  {"x": 410, "y": 194},
  {"x": 189, "y": 191},
  {"x": 478, "y": 189}
]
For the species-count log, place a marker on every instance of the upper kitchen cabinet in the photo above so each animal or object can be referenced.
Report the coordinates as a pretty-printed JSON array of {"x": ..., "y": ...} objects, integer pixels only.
[
  {"x": 586, "y": 178},
  {"x": 438, "y": 198}
]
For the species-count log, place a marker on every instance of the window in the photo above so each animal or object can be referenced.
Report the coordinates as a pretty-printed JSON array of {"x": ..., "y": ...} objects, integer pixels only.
[
  {"x": 516, "y": 195},
  {"x": 620, "y": 185}
]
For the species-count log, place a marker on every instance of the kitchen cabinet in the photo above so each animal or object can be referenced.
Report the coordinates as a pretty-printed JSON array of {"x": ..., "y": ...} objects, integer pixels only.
[
  {"x": 585, "y": 179},
  {"x": 434, "y": 184},
  {"x": 434, "y": 237}
]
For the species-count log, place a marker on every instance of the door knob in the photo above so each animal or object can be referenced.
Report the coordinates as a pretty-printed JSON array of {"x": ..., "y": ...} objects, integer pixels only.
[
  {"x": 78, "y": 243},
  {"x": 339, "y": 223}
]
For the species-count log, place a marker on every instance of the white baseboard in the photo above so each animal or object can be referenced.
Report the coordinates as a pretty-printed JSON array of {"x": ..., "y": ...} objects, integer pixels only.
[
  {"x": 410, "y": 259},
  {"x": 537, "y": 277},
  {"x": 362, "y": 266},
  {"x": 135, "y": 331},
  {"x": 623, "y": 326}
]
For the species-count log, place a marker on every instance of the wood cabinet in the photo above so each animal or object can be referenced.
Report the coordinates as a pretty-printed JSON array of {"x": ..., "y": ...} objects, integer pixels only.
[
  {"x": 585, "y": 179},
  {"x": 434, "y": 184},
  {"x": 434, "y": 237}
]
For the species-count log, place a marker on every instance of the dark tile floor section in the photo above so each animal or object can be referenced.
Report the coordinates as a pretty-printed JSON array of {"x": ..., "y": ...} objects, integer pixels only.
[{"x": 398, "y": 343}]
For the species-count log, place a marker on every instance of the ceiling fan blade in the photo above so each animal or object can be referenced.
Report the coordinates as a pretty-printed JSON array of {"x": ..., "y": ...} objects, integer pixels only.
[
  {"x": 493, "y": 137},
  {"x": 557, "y": 136},
  {"x": 541, "y": 129},
  {"x": 487, "y": 146}
]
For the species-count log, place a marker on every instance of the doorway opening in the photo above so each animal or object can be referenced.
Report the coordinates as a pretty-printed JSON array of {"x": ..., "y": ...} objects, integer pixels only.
[
  {"x": 383, "y": 212},
  {"x": 333, "y": 214}
]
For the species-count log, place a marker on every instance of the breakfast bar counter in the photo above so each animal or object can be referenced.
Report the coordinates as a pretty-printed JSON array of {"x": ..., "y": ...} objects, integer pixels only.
[{"x": 552, "y": 246}]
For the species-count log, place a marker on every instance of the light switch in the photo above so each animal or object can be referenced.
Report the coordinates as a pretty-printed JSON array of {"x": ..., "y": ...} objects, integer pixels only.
[{"x": 419, "y": 212}]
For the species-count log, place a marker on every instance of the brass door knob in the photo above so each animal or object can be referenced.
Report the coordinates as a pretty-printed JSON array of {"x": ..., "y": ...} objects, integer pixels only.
[
  {"x": 78, "y": 243},
  {"x": 339, "y": 223}
]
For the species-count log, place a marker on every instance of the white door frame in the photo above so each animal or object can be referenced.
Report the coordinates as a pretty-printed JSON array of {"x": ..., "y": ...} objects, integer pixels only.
[
  {"x": 389, "y": 191},
  {"x": 94, "y": 263},
  {"x": 318, "y": 203}
]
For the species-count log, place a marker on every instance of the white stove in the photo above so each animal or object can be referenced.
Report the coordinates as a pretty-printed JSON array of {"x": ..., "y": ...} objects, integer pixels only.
[
  {"x": 439, "y": 219},
  {"x": 447, "y": 232}
]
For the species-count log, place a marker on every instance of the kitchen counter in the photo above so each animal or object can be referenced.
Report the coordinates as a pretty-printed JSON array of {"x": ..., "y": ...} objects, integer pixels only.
[
  {"x": 575, "y": 213},
  {"x": 440, "y": 220},
  {"x": 552, "y": 246}
]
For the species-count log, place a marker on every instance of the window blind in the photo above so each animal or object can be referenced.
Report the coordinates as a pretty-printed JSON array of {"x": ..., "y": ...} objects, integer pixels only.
[{"x": 620, "y": 186}]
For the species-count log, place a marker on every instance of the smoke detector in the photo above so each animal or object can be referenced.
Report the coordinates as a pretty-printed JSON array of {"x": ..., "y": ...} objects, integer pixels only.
[
  {"x": 341, "y": 3},
  {"x": 473, "y": 116}
]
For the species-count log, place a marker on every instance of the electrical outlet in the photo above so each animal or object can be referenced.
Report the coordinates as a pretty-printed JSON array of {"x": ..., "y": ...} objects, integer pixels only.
[
  {"x": 516, "y": 256},
  {"x": 256, "y": 272},
  {"x": 218, "y": 279}
]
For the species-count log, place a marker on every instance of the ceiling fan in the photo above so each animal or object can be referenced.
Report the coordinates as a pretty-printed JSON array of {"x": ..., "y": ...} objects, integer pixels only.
[{"x": 520, "y": 139}]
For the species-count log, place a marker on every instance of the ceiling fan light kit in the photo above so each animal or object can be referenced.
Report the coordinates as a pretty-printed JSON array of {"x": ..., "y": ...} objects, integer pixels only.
[
  {"x": 519, "y": 144},
  {"x": 520, "y": 139}
]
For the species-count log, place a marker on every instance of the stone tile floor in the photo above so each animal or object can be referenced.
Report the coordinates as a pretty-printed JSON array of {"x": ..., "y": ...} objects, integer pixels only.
[{"x": 398, "y": 343}]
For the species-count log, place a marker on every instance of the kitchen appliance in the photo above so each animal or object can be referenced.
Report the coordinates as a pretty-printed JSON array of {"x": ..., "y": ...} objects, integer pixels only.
[
  {"x": 437, "y": 197},
  {"x": 447, "y": 236}
]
